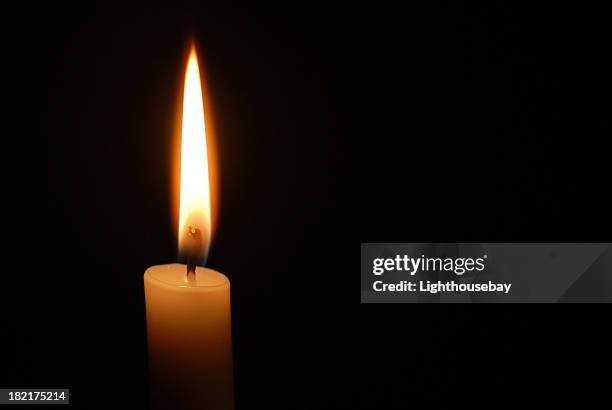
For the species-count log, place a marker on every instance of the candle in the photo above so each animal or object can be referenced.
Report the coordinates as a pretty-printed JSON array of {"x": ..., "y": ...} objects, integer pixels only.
[
  {"x": 188, "y": 306},
  {"x": 189, "y": 335}
]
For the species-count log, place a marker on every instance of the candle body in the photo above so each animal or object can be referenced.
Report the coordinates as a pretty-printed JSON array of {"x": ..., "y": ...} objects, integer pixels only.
[{"x": 189, "y": 338}]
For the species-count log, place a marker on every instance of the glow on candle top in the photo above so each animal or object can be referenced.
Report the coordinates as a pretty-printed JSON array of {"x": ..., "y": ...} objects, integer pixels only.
[{"x": 194, "y": 208}]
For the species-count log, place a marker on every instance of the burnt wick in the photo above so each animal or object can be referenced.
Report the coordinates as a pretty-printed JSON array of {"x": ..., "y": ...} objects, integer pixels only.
[{"x": 194, "y": 245}]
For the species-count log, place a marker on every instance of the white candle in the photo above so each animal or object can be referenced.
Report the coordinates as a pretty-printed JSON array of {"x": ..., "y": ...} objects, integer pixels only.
[
  {"x": 189, "y": 337},
  {"x": 188, "y": 306}
]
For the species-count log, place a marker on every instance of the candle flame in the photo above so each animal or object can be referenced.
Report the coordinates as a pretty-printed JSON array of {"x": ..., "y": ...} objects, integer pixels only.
[{"x": 194, "y": 207}]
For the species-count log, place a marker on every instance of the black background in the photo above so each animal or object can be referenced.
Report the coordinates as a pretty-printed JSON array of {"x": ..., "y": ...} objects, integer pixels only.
[{"x": 336, "y": 125}]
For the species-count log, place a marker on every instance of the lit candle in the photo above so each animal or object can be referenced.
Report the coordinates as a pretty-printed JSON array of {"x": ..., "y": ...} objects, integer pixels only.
[{"x": 188, "y": 306}]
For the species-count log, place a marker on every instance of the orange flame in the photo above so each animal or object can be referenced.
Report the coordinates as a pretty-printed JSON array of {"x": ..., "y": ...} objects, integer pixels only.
[{"x": 195, "y": 187}]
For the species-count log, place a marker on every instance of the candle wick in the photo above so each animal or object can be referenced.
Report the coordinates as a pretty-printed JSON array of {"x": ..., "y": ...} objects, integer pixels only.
[
  {"x": 191, "y": 273},
  {"x": 193, "y": 250}
]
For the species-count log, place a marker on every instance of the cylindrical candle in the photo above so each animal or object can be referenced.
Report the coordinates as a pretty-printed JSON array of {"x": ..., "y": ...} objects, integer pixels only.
[{"x": 189, "y": 338}]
